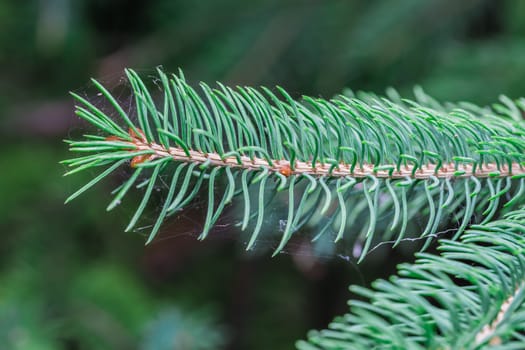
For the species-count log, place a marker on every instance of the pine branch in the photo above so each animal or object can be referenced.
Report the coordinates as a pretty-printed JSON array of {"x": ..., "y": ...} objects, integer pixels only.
[
  {"x": 386, "y": 160},
  {"x": 471, "y": 296}
]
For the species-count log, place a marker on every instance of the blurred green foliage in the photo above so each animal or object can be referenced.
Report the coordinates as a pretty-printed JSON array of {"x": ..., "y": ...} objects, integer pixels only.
[{"x": 71, "y": 279}]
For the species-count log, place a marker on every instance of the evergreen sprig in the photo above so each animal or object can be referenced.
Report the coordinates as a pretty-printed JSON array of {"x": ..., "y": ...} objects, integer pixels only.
[
  {"x": 341, "y": 159},
  {"x": 470, "y": 296}
]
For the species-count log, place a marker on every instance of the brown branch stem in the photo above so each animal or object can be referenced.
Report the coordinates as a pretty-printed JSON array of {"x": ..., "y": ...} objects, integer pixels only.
[
  {"x": 342, "y": 169},
  {"x": 487, "y": 332}
]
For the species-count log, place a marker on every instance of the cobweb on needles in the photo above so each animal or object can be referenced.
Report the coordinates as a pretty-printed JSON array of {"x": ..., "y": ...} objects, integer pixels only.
[{"x": 189, "y": 222}]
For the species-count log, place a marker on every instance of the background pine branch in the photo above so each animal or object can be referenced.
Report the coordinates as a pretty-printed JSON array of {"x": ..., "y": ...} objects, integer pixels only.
[{"x": 469, "y": 296}]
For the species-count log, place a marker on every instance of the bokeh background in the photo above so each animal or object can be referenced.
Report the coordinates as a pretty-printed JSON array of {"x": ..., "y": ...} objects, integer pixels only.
[{"x": 70, "y": 278}]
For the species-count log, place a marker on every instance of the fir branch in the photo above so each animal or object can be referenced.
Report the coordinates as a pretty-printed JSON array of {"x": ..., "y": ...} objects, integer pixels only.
[{"x": 367, "y": 153}]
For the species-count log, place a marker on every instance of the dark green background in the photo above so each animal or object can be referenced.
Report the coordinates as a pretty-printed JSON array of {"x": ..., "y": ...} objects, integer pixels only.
[{"x": 70, "y": 278}]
